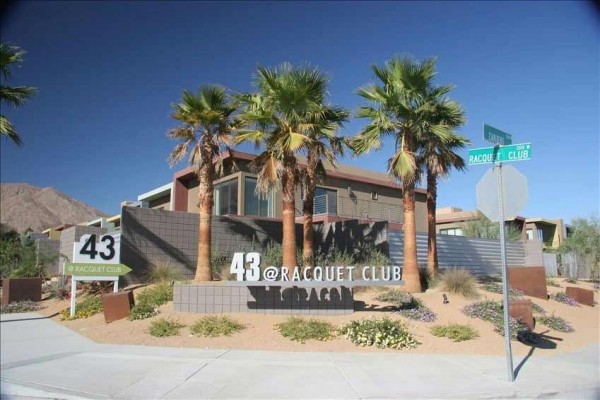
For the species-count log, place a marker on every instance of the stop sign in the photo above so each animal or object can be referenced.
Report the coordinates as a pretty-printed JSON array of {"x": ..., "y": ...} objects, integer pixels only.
[{"x": 514, "y": 190}]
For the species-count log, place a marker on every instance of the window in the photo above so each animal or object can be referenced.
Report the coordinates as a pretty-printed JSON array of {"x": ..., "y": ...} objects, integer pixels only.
[
  {"x": 452, "y": 231},
  {"x": 529, "y": 234},
  {"x": 540, "y": 235},
  {"x": 226, "y": 198},
  {"x": 325, "y": 201},
  {"x": 373, "y": 195},
  {"x": 255, "y": 205}
]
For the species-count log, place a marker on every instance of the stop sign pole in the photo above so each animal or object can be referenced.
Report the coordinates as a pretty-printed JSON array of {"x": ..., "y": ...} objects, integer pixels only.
[
  {"x": 507, "y": 344},
  {"x": 502, "y": 151}
]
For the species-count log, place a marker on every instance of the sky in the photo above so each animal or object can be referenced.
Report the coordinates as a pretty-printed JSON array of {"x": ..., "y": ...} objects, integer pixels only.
[{"x": 109, "y": 72}]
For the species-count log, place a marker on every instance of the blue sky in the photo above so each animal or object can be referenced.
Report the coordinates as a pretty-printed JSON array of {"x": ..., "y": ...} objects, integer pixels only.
[{"x": 108, "y": 72}]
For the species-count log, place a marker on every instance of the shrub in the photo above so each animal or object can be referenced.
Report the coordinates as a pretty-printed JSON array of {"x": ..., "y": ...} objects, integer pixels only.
[
  {"x": 272, "y": 255},
  {"x": 157, "y": 295},
  {"x": 370, "y": 255},
  {"x": 459, "y": 281},
  {"x": 415, "y": 309},
  {"x": 563, "y": 298},
  {"x": 428, "y": 281},
  {"x": 537, "y": 309},
  {"x": 218, "y": 259},
  {"x": 572, "y": 280},
  {"x": 20, "y": 307},
  {"x": 493, "y": 287},
  {"x": 163, "y": 272},
  {"x": 455, "y": 332},
  {"x": 551, "y": 282},
  {"x": 334, "y": 258},
  {"x": 216, "y": 326},
  {"x": 163, "y": 327},
  {"x": 89, "y": 306},
  {"x": 300, "y": 329},
  {"x": 95, "y": 287},
  {"x": 381, "y": 333},
  {"x": 556, "y": 323},
  {"x": 492, "y": 311},
  {"x": 60, "y": 289},
  {"x": 394, "y": 296},
  {"x": 142, "y": 311}
]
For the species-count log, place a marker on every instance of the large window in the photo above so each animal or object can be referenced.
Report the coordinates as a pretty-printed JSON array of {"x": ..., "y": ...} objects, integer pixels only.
[
  {"x": 226, "y": 198},
  {"x": 255, "y": 205},
  {"x": 452, "y": 231}
]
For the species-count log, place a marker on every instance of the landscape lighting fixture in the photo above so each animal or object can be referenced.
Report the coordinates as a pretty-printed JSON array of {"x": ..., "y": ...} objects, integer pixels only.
[{"x": 445, "y": 299}]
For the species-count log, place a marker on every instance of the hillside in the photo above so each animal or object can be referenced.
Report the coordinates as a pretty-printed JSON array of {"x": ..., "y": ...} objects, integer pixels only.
[{"x": 23, "y": 206}]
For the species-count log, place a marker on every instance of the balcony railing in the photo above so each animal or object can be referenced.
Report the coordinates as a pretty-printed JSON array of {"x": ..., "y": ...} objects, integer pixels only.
[{"x": 330, "y": 204}]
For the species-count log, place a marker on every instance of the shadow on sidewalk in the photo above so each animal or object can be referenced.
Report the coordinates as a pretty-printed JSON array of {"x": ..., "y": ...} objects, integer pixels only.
[
  {"x": 536, "y": 340},
  {"x": 30, "y": 319}
]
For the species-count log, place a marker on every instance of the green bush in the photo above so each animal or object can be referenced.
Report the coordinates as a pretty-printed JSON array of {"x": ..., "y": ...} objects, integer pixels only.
[
  {"x": 492, "y": 311},
  {"x": 381, "y": 333},
  {"x": 556, "y": 323},
  {"x": 394, "y": 296},
  {"x": 218, "y": 259},
  {"x": 59, "y": 289},
  {"x": 459, "y": 281},
  {"x": 89, "y": 306},
  {"x": 494, "y": 287},
  {"x": 301, "y": 330},
  {"x": 272, "y": 255},
  {"x": 572, "y": 280},
  {"x": 156, "y": 296},
  {"x": 142, "y": 311},
  {"x": 371, "y": 255},
  {"x": 216, "y": 326},
  {"x": 455, "y": 332},
  {"x": 163, "y": 272},
  {"x": 551, "y": 282},
  {"x": 20, "y": 307},
  {"x": 537, "y": 309},
  {"x": 163, "y": 328}
]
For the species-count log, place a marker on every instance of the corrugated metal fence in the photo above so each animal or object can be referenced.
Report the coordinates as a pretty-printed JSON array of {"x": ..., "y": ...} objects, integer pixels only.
[{"x": 480, "y": 256}]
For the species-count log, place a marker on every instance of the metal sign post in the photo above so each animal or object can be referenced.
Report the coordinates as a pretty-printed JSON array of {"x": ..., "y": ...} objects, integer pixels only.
[
  {"x": 504, "y": 151},
  {"x": 507, "y": 344}
]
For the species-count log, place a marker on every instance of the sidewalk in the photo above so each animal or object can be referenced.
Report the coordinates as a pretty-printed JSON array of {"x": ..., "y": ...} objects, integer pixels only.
[{"x": 43, "y": 359}]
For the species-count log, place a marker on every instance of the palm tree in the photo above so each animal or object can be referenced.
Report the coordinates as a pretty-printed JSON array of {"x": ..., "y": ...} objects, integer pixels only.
[
  {"x": 402, "y": 107},
  {"x": 323, "y": 144},
  {"x": 278, "y": 117},
  {"x": 205, "y": 132},
  {"x": 438, "y": 156},
  {"x": 15, "y": 96}
]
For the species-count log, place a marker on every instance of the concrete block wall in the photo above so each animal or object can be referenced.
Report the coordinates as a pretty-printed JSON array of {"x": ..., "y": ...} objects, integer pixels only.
[
  {"x": 157, "y": 236},
  {"x": 50, "y": 248},
  {"x": 216, "y": 299}
]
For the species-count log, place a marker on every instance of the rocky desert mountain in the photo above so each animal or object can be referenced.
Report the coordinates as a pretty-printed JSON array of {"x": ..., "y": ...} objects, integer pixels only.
[{"x": 23, "y": 206}]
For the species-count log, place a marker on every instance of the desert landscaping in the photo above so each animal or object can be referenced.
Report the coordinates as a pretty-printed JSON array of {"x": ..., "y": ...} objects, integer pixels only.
[{"x": 260, "y": 331}]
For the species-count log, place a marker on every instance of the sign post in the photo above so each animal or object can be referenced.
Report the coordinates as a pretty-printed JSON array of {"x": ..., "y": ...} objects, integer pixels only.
[
  {"x": 503, "y": 151},
  {"x": 95, "y": 261}
]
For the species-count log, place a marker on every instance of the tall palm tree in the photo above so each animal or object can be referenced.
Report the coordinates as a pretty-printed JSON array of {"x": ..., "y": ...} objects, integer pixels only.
[
  {"x": 207, "y": 120},
  {"x": 402, "y": 107},
  {"x": 324, "y": 144},
  {"x": 278, "y": 117},
  {"x": 14, "y": 96},
  {"x": 438, "y": 156}
]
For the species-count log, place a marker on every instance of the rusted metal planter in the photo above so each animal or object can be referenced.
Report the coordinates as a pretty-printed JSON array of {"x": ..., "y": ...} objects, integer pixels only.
[
  {"x": 522, "y": 310},
  {"x": 117, "y": 305},
  {"x": 20, "y": 289},
  {"x": 581, "y": 295}
]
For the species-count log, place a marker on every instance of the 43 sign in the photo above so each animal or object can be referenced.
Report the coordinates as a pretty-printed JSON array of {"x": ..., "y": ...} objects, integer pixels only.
[{"x": 105, "y": 249}]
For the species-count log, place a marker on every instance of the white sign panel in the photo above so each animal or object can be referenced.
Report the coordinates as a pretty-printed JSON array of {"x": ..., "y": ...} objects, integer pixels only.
[{"x": 98, "y": 249}]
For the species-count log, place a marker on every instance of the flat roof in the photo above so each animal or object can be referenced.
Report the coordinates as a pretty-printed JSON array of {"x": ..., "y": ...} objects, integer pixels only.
[{"x": 156, "y": 193}]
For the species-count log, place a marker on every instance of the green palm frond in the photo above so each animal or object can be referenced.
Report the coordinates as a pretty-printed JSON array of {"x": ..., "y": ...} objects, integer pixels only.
[{"x": 8, "y": 130}]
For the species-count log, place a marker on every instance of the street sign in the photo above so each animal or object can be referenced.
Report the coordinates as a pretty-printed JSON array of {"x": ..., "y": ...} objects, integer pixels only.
[
  {"x": 488, "y": 155},
  {"x": 92, "y": 269},
  {"x": 514, "y": 193},
  {"x": 496, "y": 136}
]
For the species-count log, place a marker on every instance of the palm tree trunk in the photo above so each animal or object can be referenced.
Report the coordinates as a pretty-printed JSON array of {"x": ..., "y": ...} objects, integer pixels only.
[
  {"x": 410, "y": 273},
  {"x": 205, "y": 194},
  {"x": 308, "y": 258},
  {"x": 432, "y": 253},
  {"x": 289, "y": 214}
]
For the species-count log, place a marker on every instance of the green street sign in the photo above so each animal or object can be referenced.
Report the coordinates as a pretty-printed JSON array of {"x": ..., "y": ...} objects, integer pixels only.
[
  {"x": 488, "y": 155},
  {"x": 87, "y": 269},
  {"x": 496, "y": 136}
]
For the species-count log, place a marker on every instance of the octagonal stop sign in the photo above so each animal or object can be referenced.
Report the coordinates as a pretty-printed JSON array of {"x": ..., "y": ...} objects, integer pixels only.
[{"x": 514, "y": 190}]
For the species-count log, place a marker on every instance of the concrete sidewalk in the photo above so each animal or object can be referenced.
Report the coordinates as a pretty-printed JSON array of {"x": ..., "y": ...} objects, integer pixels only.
[{"x": 43, "y": 359}]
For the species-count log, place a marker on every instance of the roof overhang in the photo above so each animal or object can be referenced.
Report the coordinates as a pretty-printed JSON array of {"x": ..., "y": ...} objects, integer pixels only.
[{"x": 156, "y": 193}]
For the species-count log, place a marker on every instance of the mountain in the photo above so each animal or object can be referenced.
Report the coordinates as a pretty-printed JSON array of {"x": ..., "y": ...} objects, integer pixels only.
[{"x": 23, "y": 206}]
